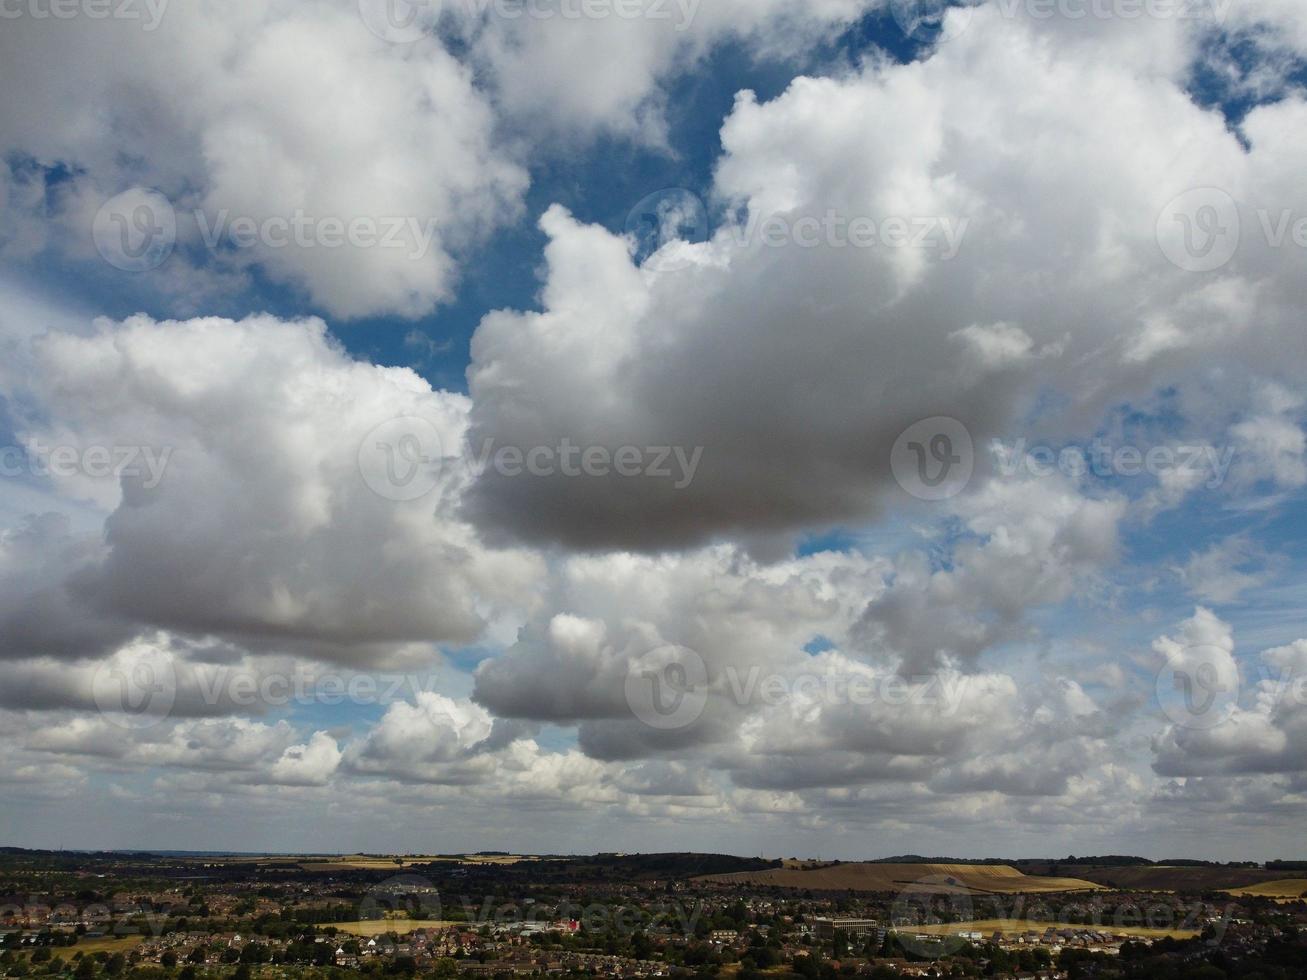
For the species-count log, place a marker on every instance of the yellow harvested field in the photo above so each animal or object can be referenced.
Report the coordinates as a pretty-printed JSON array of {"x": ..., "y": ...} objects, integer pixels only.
[
  {"x": 1010, "y": 927},
  {"x": 379, "y": 927},
  {"x": 939, "y": 878},
  {"x": 363, "y": 862},
  {"x": 98, "y": 944},
  {"x": 105, "y": 944},
  {"x": 1286, "y": 888}
]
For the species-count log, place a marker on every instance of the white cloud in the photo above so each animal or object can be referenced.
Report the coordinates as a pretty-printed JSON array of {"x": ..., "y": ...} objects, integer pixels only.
[
  {"x": 262, "y": 527},
  {"x": 262, "y": 111},
  {"x": 796, "y": 369}
]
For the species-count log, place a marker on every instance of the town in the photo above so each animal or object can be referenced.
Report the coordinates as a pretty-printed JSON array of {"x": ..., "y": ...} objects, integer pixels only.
[{"x": 194, "y": 917}]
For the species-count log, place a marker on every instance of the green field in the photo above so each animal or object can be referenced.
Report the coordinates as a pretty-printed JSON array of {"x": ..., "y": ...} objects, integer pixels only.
[{"x": 1013, "y": 926}]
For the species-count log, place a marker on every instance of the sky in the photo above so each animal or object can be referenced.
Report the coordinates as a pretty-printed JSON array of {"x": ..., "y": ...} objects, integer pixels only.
[{"x": 825, "y": 428}]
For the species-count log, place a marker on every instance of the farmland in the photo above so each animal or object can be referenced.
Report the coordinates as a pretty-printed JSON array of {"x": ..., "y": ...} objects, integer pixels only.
[
  {"x": 379, "y": 927},
  {"x": 1013, "y": 926},
  {"x": 979, "y": 879},
  {"x": 1284, "y": 888},
  {"x": 1172, "y": 878}
]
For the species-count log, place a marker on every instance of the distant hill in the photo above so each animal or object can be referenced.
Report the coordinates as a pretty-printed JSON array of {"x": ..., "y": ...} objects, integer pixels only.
[
  {"x": 1170, "y": 878},
  {"x": 959, "y": 878},
  {"x": 670, "y": 866}
]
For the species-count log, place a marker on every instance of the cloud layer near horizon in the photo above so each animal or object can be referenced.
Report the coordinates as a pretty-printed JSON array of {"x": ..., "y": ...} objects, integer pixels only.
[{"x": 868, "y": 659}]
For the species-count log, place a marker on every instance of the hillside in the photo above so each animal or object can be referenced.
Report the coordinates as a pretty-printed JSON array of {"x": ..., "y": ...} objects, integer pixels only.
[
  {"x": 878, "y": 877},
  {"x": 1172, "y": 878}
]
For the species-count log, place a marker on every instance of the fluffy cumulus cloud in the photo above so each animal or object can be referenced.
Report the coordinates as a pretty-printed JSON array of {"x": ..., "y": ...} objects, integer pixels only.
[
  {"x": 265, "y": 111},
  {"x": 722, "y": 598},
  {"x": 572, "y": 72},
  {"x": 1262, "y": 731},
  {"x": 1031, "y": 543},
  {"x": 934, "y": 239},
  {"x": 250, "y": 118},
  {"x": 267, "y": 524}
]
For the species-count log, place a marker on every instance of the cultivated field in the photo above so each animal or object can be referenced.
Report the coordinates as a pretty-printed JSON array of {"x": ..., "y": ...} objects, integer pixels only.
[
  {"x": 99, "y": 944},
  {"x": 1013, "y": 926},
  {"x": 363, "y": 862},
  {"x": 1176, "y": 878},
  {"x": 102, "y": 944},
  {"x": 990, "y": 879},
  {"x": 1285, "y": 888},
  {"x": 379, "y": 927}
]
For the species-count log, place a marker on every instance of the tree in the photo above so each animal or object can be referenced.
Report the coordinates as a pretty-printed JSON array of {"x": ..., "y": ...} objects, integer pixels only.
[{"x": 168, "y": 959}]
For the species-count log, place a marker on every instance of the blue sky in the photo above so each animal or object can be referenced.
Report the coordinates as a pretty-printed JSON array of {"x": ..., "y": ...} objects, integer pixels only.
[{"x": 800, "y": 541}]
